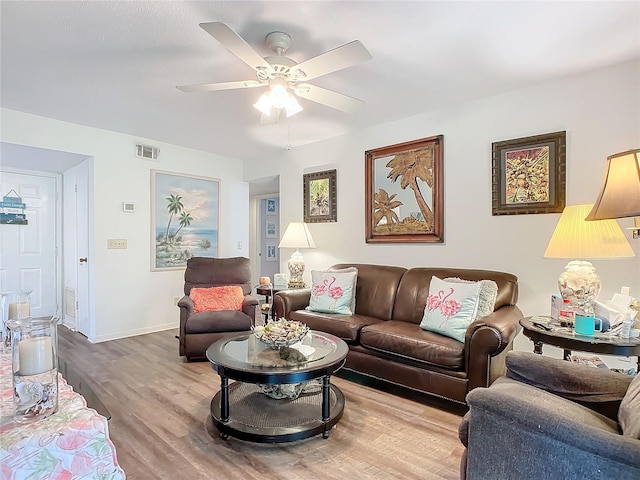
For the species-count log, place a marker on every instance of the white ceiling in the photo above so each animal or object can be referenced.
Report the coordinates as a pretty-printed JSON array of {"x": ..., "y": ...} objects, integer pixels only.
[{"x": 115, "y": 65}]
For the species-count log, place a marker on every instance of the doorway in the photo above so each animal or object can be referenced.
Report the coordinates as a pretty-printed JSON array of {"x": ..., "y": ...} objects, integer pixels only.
[
  {"x": 260, "y": 190},
  {"x": 34, "y": 162}
]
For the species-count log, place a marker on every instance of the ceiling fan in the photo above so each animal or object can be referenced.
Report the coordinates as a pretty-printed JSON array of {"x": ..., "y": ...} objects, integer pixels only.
[{"x": 285, "y": 78}]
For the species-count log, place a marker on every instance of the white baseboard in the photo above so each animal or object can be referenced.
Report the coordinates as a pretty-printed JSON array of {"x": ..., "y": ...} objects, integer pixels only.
[{"x": 133, "y": 333}]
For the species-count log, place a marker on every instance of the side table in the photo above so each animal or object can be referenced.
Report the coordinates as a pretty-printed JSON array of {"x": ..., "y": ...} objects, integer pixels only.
[
  {"x": 268, "y": 291},
  {"x": 569, "y": 340}
]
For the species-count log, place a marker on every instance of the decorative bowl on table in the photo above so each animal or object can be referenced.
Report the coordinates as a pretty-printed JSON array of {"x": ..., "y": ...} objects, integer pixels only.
[{"x": 281, "y": 333}]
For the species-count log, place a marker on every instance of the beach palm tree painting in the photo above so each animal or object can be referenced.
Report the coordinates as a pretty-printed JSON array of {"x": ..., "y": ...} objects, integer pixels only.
[
  {"x": 184, "y": 217},
  {"x": 404, "y": 192}
]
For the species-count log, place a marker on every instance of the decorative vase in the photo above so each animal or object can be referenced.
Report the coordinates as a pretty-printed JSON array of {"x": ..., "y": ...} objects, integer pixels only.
[
  {"x": 580, "y": 284},
  {"x": 34, "y": 366}
]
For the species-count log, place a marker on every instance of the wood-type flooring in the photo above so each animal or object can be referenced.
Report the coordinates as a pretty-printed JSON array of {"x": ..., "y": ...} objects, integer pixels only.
[{"x": 160, "y": 406}]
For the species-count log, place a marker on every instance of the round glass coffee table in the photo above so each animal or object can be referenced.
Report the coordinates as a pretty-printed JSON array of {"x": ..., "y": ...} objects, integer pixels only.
[{"x": 248, "y": 409}]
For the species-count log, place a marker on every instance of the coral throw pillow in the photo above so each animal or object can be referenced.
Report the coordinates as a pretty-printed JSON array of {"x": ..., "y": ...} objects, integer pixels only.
[
  {"x": 333, "y": 292},
  {"x": 213, "y": 299},
  {"x": 450, "y": 308}
]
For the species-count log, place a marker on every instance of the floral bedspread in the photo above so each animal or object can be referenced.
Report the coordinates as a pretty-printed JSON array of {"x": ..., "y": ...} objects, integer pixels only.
[{"x": 71, "y": 444}]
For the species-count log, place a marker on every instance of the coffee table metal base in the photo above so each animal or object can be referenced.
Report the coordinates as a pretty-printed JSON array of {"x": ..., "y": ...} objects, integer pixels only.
[{"x": 255, "y": 417}]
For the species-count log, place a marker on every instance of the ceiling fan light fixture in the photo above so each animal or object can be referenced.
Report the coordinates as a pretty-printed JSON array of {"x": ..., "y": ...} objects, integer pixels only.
[
  {"x": 292, "y": 107},
  {"x": 263, "y": 104},
  {"x": 279, "y": 95}
]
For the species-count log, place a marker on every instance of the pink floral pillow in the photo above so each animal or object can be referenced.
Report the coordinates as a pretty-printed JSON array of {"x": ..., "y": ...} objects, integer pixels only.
[
  {"x": 213, "y": 299},
  {"x": 333, "y": 292},
  {"x": 450, "y": 308}
]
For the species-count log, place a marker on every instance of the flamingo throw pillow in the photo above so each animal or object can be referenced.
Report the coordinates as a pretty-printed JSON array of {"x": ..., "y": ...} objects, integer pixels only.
[
  {"x": 450, "y": 308},
  {"x": 332, "y": 292}
]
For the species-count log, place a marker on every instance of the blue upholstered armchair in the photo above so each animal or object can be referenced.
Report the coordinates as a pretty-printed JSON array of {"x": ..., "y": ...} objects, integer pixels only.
[{"x": 552, "y": 419}]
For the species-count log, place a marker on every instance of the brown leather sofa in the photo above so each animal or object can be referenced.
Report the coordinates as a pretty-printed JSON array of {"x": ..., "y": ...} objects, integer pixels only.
[
  {"x": 385, "y": 339},
  {"x": 199, "y": 330}
]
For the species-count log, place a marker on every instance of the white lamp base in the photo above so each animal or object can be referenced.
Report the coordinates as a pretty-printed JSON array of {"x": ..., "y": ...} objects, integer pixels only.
[
  {"x": 580, "y": 284},
  {"x": 296, "y": 269}
]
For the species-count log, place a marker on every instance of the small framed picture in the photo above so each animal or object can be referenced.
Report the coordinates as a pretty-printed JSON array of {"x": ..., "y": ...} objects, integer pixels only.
[
  {"x": 272, "y": 253},
  {"x": 320, "y": 199},
  {"x": 271, "y": 229},
  {"x": 271, "y": 206}
]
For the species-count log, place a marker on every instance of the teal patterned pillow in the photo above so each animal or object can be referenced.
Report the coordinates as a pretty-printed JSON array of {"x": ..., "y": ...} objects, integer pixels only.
[
  {"x": 450, "y": 308},
  {"x": 333, "y": 292},
  {"x": 488, "y": 295}
]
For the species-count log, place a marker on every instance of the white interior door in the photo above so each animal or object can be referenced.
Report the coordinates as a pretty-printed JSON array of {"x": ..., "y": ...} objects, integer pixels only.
[
  {"x": 76, "y": 245},
  {"x": 28, "y": 253}
]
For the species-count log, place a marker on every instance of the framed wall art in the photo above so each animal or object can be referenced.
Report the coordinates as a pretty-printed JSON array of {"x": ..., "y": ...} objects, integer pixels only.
[
  {"x": 320, "y": 200},
  {"x": 404, "y": 192},
  {"x": 271, "y": 229},
  {"x": 271, "y": 206},
  {"x": 184, "y": 219},
  {"x": 529, "y": 174},
  {"x": 272, "y": 252}
]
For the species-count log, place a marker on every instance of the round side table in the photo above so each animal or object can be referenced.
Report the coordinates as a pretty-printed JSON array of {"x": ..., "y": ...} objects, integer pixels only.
[{"x": 569, "y": 340}]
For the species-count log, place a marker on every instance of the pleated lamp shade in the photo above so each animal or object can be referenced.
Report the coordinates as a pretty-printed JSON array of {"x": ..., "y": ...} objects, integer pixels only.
[
  {"x": 574, "y": 237},
  {"x": 620, "y": 194}
]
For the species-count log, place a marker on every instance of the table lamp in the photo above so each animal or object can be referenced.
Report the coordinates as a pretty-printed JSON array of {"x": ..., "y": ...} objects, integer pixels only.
[
  {"x": 574, "y": 237},
  {"x": 620, "y": 194},
  {"x": 297, "y": 235}
]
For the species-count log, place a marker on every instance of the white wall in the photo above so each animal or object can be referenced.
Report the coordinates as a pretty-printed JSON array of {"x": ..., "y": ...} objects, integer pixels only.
[
  {"x": 129, "y": 299},
  {"x": 599, "y": 112}
]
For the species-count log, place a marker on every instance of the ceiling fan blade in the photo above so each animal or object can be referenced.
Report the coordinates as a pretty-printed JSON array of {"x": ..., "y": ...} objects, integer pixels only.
[
  {"x": 334, "y": 60},
  {"x": 207, "y": 87},
  {"x": 236, "y": 44},
  {"x": 328, "y": 97}
]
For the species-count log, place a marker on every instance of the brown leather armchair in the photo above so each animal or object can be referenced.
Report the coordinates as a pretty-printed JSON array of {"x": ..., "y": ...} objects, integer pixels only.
[{"x": 199, "y": 330}]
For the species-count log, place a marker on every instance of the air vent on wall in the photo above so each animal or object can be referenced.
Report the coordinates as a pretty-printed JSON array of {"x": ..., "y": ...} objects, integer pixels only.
[{"x": 147, "y": 152}]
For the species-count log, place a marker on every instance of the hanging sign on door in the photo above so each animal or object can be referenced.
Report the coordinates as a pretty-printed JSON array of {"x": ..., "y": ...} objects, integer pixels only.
[{"x": 12, "y": 210}]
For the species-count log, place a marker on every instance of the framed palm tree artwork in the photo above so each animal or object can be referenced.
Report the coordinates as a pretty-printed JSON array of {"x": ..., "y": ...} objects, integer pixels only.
[
  {"x": 184, "y": 219},
  {"x": 404, "y": 192},
  {"x": 320, "y": 199}
]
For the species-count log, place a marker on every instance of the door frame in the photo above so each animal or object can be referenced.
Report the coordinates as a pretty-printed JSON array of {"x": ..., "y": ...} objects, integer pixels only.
[
  {"x": 255, "y": 228},
  {"x": 78, "y": 275}
]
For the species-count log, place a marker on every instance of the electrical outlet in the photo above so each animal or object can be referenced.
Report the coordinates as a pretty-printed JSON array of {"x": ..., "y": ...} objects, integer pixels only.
[
  {"x": 239, "y": 245},
  {"x": 176, "y": 300},
  {"x": 117, "y": 243}
]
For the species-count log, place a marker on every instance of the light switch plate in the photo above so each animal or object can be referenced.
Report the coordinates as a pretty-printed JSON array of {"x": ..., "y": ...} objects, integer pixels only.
[{"x": 117, "y": 243}]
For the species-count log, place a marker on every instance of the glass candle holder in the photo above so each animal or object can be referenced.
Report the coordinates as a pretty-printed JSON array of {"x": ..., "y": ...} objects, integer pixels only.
[
  {"x": 15, "y": 306},
  {"x": 34, "y": 366}
]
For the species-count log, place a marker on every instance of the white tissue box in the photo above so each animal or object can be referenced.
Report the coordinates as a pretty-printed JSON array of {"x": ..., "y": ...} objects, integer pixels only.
[
  {"x": 605, "y": 311},
  {"x": 280, "y": 279}
]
